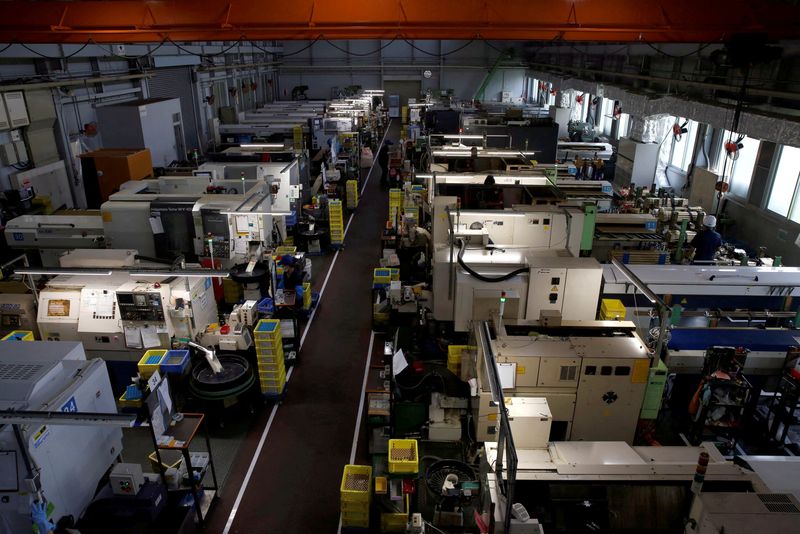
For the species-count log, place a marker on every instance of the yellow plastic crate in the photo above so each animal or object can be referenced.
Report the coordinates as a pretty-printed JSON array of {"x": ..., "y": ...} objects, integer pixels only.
[
  {"x": 273, "y": 390},
  {"x": 381, "y": 275},
  {"x": 403, "y": 457},
  {"x": 19, "y": 335},
  {"x": 150, "y": 362},
  {"x": 125, "y": 403},
  {"x": 284, "y": 250},
  {"x": 395, "y": 522},
  {"x": 350, "y": 519},
  {"x": 351, "y": 189},
  {"x": 267, "y": 330},
  {"x": 306, "y": 295},
  {"x": 269, "y": 359},
  {"x": 356, "y": 483},
  {"x": 357, "y": 507},
  {"x": 612, "y": 310},
  {"x": 272, "y": 346},
  {"x": 272, "y": 374},
  {"x": 454, "y": 356}
]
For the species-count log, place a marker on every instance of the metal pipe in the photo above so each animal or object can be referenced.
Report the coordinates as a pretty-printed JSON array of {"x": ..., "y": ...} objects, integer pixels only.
[
  {"x": 640, "y": 285},
  {"x": 66, "y": 83},
  {"x": 706, "y": 85},
  {"x": 22, "y": 417}
]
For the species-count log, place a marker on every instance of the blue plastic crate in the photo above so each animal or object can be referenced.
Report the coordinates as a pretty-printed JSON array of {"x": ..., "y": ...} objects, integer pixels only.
[
  {"x": 175, "y": 362},
  {"x": 266, "y": 305}
]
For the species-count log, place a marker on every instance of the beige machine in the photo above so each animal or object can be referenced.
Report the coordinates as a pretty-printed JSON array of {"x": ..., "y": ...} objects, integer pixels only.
[
  {"x": 152, "y": 312},
  {"x": 18, "y": 312},
  {"x": 528, "y": 255},
  {"x": 593, "y": 375}
]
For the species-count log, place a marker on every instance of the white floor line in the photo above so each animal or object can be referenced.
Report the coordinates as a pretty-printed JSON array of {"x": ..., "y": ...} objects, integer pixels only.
[
  {"x": 321, "y": 292},
  {"x": 250, "y": 469},
  {"x": 354, "y": 447},
  {"x": 375, "y": 159},
  {"x": 263, "y": 439}
]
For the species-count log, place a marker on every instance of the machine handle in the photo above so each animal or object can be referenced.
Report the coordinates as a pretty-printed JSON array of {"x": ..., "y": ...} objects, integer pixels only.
[{"x": 68, "y": 225}]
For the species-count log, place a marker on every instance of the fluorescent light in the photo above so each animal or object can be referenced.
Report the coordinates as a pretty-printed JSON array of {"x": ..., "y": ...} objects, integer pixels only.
[
  {"x": 272, "y": 213},
  {"x": 185, "y": 273},
  {"x": 263, "y": 145},
  {"x": 88, "y": 271},
  {"x": 466, "y": 136},
  {"x": 55, "y": 271}
]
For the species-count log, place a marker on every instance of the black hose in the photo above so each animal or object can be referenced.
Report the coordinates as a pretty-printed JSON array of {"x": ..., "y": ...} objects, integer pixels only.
[{"x": 482, "y": 278}]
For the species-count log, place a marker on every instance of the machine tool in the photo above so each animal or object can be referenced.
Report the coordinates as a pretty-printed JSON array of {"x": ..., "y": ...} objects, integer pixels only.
[
  {"x": 60, "y": 463},
  {"x": 52, "y": 235},
  {"x": 593, "y": 375}
]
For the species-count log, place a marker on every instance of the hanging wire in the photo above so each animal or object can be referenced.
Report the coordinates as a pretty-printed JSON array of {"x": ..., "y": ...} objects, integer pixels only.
[
  {"x": 222, "y": 52},
  {"x": 29, "y": 49},
  {"x": 415, "y": 47},
  {"x": 123, "y": 56},
  {"x": 312, "y": 43},
  {"x": 679, "y": 55},
  {"x": 339, "y": 48}
]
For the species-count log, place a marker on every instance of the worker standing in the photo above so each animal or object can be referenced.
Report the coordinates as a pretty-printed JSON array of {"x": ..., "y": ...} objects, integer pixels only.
[
  {"x": 707, "y": 240},
  {"x": 383, "y": 160}
]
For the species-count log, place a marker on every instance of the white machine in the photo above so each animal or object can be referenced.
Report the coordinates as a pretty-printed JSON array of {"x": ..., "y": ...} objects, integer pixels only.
[
  {"x": 64, "y": 463},
  {"x": 593, "y": 376},
  {"x": 59, "y": 309},
  {"x": 52, "y": 235},
  {"x": 742, "y": 513},
  {"x": 153, "y": 312},
  {"x": 84, "y": 308},
  {"x": 98, "y": 258},
  {"x": 523, "y": 255}
]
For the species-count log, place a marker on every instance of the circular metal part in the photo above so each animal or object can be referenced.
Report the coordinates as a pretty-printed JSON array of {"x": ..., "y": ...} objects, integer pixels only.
[
  {"x": 439, "y": 472},
  {"x": 240, "y": 274},
  {"x": 235, "y": 378}
]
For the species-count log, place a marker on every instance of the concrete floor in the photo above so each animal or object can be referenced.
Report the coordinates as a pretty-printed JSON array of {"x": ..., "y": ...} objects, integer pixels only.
[{"x": 285, "y": 477}]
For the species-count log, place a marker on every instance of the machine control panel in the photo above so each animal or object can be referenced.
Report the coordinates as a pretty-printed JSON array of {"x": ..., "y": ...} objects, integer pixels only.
[
  {"x": 217, "y": 230},
  {"x": 140, "y": 306},
  {"x": 222, "y": 247}
]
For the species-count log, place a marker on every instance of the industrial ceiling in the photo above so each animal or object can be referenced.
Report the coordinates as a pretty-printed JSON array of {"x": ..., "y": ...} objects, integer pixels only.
[{"x": 125, "y": 21}]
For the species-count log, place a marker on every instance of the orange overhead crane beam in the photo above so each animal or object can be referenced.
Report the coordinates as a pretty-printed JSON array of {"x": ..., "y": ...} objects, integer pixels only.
[{"x": 653, "y": 21}]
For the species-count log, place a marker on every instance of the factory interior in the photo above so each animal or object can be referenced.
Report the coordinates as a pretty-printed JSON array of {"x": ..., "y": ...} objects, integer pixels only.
[{"x": 399, "y": 267}]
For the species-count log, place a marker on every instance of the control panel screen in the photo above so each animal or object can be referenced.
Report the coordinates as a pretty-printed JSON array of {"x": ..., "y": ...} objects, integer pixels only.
[{"x": 140, "y": 306}]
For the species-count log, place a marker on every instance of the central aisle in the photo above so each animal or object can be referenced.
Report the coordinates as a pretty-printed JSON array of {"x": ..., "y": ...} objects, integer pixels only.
[{"x": 294, "y": 486}]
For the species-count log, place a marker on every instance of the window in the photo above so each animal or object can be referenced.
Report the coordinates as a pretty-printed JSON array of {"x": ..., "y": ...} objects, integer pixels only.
[
  {"x": 738, "y": 171},
  {"x": 587, "y": 100},
  {"x": 607, "y": 116},
  {"x": 683, "y": 149},
  {"x": 624, "y": 124},
  {"x": 783, "y": 195}
]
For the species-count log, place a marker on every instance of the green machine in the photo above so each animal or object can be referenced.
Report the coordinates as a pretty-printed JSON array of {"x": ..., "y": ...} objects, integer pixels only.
[
  {"x": 587, "y": 237},
  {"x": 656, "y": 382}
]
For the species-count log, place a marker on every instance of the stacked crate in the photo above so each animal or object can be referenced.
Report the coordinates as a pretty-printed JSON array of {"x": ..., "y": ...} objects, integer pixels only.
[
  {"x": 355, "y": 495},
  {"x": 269, "y": 356},
  {"x": 336, "y": 221},
  {"x": 395, "y": 199},
  {"x": 351, "y": 188}
]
